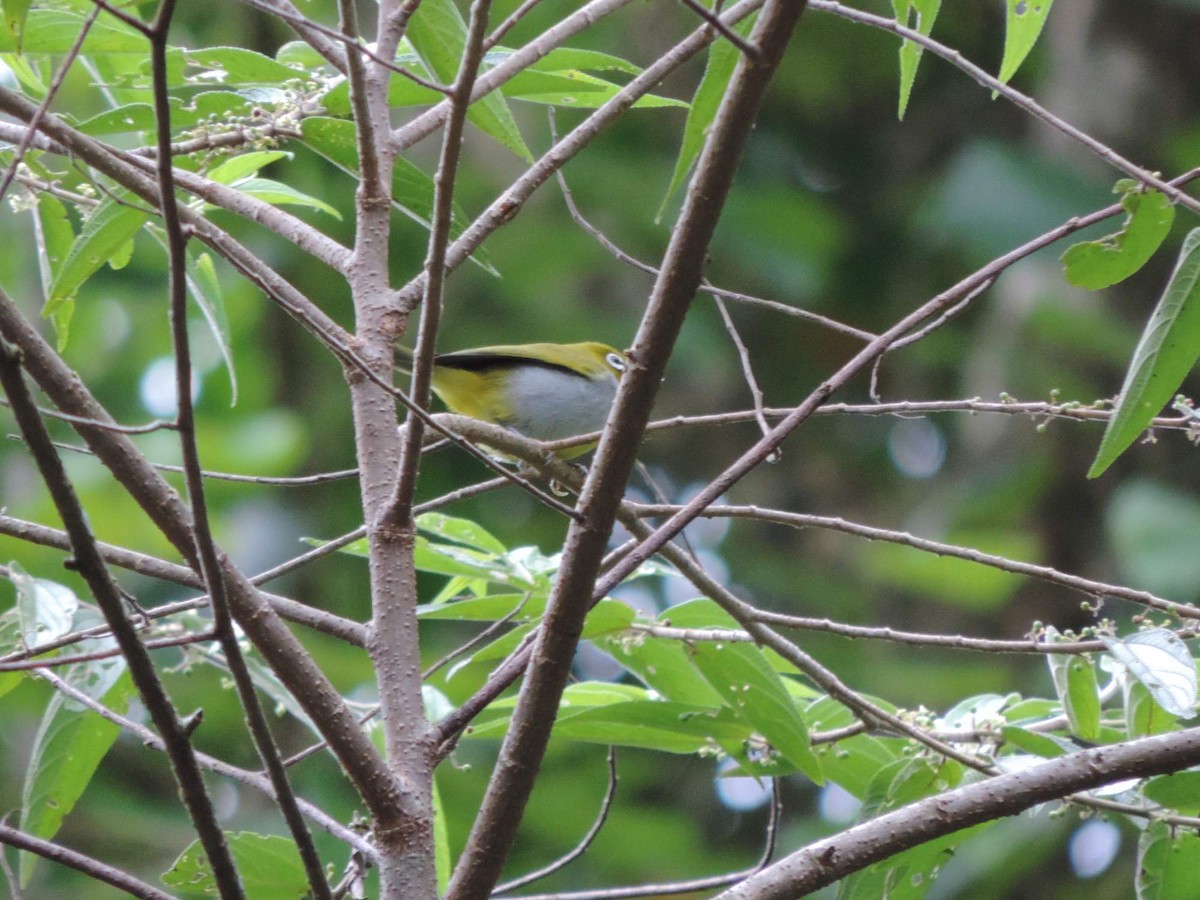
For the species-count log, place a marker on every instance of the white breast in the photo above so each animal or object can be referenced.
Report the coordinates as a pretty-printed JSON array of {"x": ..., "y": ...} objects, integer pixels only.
[{"x": 548, "y": 404}]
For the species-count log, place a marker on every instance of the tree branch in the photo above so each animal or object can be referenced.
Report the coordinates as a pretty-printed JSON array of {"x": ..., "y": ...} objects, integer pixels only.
[
  {"x": 521, "y": 753},
  {"x": 824, "y": 862}
]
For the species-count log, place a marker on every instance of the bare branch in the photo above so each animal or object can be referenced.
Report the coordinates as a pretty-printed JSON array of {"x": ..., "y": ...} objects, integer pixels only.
[
  {"x": 93, "y": 868},
  {"x": 521, "y": 753},
  {"x": 824, "y": 862}
]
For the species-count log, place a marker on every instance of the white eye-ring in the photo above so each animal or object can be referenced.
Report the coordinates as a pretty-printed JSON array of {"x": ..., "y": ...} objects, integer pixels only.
[{"x": 616, "y": 360}]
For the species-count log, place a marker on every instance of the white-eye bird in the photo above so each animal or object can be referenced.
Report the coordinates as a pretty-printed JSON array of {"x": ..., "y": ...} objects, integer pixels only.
[{"x": 543, "y": 391}]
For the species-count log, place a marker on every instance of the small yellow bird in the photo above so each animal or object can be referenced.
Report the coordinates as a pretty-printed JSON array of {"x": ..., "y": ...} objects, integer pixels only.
[{"x": 543, "y": 391}]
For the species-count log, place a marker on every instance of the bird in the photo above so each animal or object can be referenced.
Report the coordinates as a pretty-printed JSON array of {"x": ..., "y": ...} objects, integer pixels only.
[{"x": 543, "y": 391}]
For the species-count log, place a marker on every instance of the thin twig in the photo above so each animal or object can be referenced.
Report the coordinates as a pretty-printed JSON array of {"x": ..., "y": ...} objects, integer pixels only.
[
  {"x": 610, "y": 794},
  {"x": 504, "y": 27},
  {"x": 842, "y": 629},
  {"x": 756, "y": 394},
  {"x": 253, "y": 780},
  {"x": 691, "y": 885},
  {"x": 481, "y": 638},
  {"x": 956, "y": 59},
  {"x": 73, "y": 859},
  {"x": 724, "y": 30},
  {"x": 705, "y": 286},
  {"x": 206, "y": 549},
  {"x": 1097, "y": 589}
]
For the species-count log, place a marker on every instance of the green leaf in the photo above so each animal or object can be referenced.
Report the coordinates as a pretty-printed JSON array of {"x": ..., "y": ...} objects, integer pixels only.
[
  {"x": 224, "y": 106},
  {"x": 1160, "y": 661},
  {"x": 1043, "y": 745},
  {"x": 439, "y": 34},
  {"x": 908, "y": 875},
  {"x": 279, "y": 194},
  {"x": 625, "y": 716},
  {"x": 744, "y": 678},
  {"x": 1098, "y": 264},
  {"x": 463, "y": 531},
  {"x": 1180, "y": 791},
  {"x": 15, "y": 12},
  {"x": 55, "y": 31},
  {"x": 492, "y": 608},
  {"x": 106, "y": 230},
  {"x": 235, "y": 168},
  {"x": 441, "y": 840},
  {"x": 1075, "y": 682},
  {"x": 722, "y": 58},
  {"x": 852, "y": 762},
  {"x": 663, "y": 665},
  {"x": 300, "y": 55},
  {"x": 1022, "y": 25},
  {"x": 70, "y": 743},
  {"x": 1142, "y": 715},
  {"x": 10, "y": 642},
  {"x": 573, "y": 88},
  {"x": 55, "y": 237},
  {"x": 1168, "y": 860},
  {"x": 205, "y": 288},
  {"x": 236, "y": 66},
  {"x": 919, "y": 15},
  {"x": 564, "y": 58},
  {"x": 907, "y": 780},
  {"x": 270, "y": 867},
  {"x": 412, "y": 189},
  {"x": 46, "y": 609},
  {"x": 450, "y": 559},
  {"x": 1167, "y": 350}
]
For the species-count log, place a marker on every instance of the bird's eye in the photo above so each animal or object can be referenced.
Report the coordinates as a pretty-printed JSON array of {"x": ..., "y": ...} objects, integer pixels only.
[{"x": 616, "y": 360}]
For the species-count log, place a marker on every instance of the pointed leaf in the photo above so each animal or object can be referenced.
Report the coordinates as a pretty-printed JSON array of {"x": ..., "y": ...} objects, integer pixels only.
[
  {"x": 278, "y": 193},
  {"x": 439, "y": 34},
  {"x": 1022, "y": 25},
  {"x": 55, "y": 237},
  {"x": 235, "y": 168},
  {"x": 1167, "y": 350},
  {"x": 70, "y": 743},
  {"x": 205, "y": 288},
  {"x": 464, "y": 531},
  {"x": 919, "y": 15},
  {"x": 109, "y": 226},
  {"x": 722, "y": 57},
  {"x": 1075, "y": 682},
  {"x": 744, "y": 678},
  {"x": 412, "y": 189}
]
